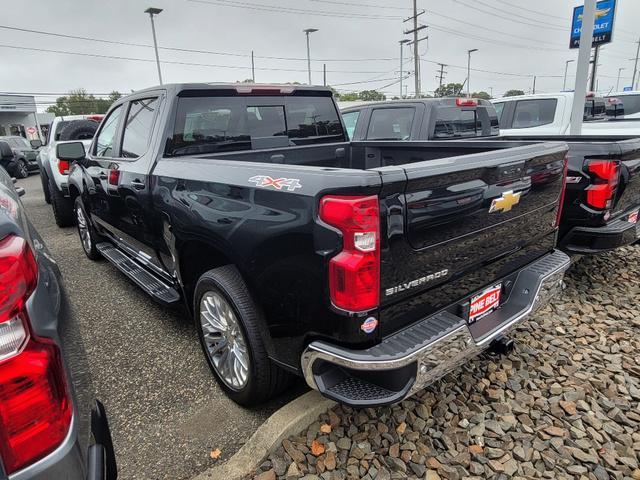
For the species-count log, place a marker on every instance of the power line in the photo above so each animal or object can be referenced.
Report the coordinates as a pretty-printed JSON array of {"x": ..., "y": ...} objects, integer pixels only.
[
  {"x": 537, "y": 23},
  {"x": 367, "y": 5}
]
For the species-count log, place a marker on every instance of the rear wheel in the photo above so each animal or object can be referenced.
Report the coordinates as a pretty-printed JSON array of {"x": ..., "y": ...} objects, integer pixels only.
[
  {"x": 62, "y": 207},
  {"x": 44, "y": 179},
  {"x": 88, "y": 236},
  {"x": 229, "y": 324}
]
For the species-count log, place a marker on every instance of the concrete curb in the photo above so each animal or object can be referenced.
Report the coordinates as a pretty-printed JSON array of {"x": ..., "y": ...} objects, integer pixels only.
[{"x": 289, "y": 420}]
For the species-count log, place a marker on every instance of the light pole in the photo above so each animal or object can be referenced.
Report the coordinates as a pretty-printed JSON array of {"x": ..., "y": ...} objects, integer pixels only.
[
  {"x": 618, "y": 82},
  {"x": 155, "y": 11},
  {"x": 402, "y": 44},
  {"x": 307, "y": 32},
  {"x": 566, "y": 69},
  {"x": 469, "y": 52}
]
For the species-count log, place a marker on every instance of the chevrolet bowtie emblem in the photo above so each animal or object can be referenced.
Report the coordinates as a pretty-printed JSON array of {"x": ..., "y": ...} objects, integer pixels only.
[{"x": 506, "y": 202}]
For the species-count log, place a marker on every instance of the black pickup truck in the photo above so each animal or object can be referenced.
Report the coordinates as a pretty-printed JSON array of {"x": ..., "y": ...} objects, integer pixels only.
[
  {"x": 370, "y": 268},
  {"x": 602, "y": 202}
]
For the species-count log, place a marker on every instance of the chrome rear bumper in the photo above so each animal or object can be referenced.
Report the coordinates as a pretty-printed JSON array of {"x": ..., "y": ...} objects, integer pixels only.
[{"x": 413, "y": 358}]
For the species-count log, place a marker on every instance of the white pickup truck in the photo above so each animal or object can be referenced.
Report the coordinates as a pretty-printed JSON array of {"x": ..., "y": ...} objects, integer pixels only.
[
  {"x": 550, "y": 114},
  {"x": 55, "y": 173}
]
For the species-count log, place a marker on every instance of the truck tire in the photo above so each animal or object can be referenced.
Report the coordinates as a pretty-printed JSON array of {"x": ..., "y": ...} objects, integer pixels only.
[
  {"x": 62, "y": 207},
  {"x": 44, "y": 179},
  {"x": 22, "y": 169},
  {"x": 88, "y": 236},
  {"x": 79, "y": 130},
  {"x": 231, "y": 338}
]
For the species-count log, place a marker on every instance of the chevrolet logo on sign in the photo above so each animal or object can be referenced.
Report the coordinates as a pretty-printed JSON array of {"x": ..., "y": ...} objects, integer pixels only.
[{"x": 506, "y": 202}]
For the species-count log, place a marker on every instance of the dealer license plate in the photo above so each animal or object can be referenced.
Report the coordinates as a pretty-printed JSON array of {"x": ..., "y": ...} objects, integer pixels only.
[{"x": 485, "y": 303}]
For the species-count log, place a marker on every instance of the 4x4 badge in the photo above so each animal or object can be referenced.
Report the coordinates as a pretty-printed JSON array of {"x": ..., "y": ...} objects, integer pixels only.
[
  {"x": 506, "y": 202},
  {"x": 289, "y": 184}
]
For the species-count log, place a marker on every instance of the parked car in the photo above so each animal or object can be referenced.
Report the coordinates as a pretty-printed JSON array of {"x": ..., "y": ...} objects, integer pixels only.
[
  {"x": 50, "y": 425},
  {"x": 550, "y": 114},
  {"x": 600, "y": 209},
  {"x": 8, "y": 160},
  {"x": 369, "y": 268},
  {"x": 25, "y": 152},
  {"x": 54, "y": 173}
]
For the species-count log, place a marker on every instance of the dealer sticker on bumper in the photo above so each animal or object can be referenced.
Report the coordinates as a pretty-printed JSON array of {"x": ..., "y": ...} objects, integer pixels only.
[{"x": 485, "y": 303}]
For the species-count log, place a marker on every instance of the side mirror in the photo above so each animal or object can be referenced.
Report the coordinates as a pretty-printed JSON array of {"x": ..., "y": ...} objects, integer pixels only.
[
  {"x": 5, "y": 151},
  {"x": 71, "y": 152},
  {"x": 36, "y": 144}
]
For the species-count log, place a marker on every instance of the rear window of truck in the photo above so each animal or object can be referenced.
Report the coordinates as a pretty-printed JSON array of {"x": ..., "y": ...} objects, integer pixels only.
[{"x": 225, "y": 124}]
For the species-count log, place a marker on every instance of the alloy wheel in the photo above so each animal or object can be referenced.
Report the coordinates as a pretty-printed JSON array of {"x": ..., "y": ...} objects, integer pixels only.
[
  {"x": 83, "y": 230},
  {"x": 224, "y": 341}
]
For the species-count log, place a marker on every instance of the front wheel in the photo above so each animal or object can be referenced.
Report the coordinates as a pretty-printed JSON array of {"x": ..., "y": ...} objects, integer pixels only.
[
  {"x": 87, "y": 234},
  {"x": 22, "y": 170},
  {"x": 229, "y": 325},
  {"x": 62, "y": 207},
  {"x": 44, "y": 179}
]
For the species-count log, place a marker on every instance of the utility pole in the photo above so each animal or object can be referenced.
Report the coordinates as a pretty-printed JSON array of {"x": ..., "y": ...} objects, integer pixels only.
[
  {"x": 324, "y": 72},
  {"x": 582, "y": 70},
  {"x": 534, "y": 84},
  {"x": 594, "y": 70},
  {"x": 566, "y": 69},
  {"x": 469, "y": 52},
  {"x": 635, "y": 69},
  {"x": 416, "y": 43},
  {"x": 253, "y": 68},
  {"x": 309, "y": 31},
  {"x": 491, "y": 91},
  {"x": 442, "y": 73},
  {"x": 402, "y": 44},
  {"x": 155, "y": 11},
  {"x": 618, "y": 82}
]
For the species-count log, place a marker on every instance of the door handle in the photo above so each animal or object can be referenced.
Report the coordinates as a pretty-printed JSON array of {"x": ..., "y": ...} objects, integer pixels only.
[
  {"x": 277, "y": 158},
  {"x": 102, "y": 176},
  {"x": 137, "y": 184}
]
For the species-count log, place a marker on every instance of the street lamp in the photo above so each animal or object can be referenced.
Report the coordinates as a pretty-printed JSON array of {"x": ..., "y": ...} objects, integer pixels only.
[
  {"x": 469, "y": 52},
  {"x": 307, "y": 32},
  {"x": 402, "y": 44},
  {"x": 566, "y": 69},
  {"x": 618, "y": 82},
  {"x": 155, "y": 11}
]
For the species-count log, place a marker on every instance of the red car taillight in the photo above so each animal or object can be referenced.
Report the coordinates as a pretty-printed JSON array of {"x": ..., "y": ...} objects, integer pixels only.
[
  {"x": 35, "y": 409},
  {"x": 354, "y": 274},
  {"x": 63, "y": 167},
  {"x": 605, "y": 175}
]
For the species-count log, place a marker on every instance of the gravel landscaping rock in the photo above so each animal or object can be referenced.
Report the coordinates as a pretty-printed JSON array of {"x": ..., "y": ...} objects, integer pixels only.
[{"x": 564, "y": 404}]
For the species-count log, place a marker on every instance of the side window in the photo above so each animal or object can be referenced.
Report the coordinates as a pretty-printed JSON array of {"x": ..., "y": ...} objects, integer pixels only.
[
  {"x": 107, "y": 136},
  {"x": 137, "y": 130},
  {"x": 499, "y": 110},
  {"x": 350, "y": 121},
  {"x": 391, "y": 124},
  {"x": 534, "y": 113},
  {"x": 313, "y": 120}
]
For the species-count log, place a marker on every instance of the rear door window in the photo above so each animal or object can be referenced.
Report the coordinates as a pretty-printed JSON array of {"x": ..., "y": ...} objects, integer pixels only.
[
  {"x": 391, "y": 123},
  {"x": 137, "y": 130},
  {"x": 223, "y": 124},
  {"x": 534, "y": 113},
  {"x": 350, "y": 120}
]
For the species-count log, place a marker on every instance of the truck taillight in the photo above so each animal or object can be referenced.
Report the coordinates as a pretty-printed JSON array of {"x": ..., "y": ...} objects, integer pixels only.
[
  {"x": 35, "y": 409},
  {"x": 604, "y": 175},
  {"x": 354, "y": 273},
  {"x": 63, "y": 167}
]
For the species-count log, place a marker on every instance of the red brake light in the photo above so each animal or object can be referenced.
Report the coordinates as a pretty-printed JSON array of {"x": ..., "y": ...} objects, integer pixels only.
[
  {"x": 604, "y": 173},
  {"x": 95, "y": 118},
  {"x": 354, "y": 274},
  {"x": 35, "y": 410},
  {"x": 63, "y": 167},
  {"x": 114, "y": 177},
  {"x": 466, "y": 102}
]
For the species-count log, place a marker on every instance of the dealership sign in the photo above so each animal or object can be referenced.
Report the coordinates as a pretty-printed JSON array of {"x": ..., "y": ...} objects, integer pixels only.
[{"x": 603, "y": 27}]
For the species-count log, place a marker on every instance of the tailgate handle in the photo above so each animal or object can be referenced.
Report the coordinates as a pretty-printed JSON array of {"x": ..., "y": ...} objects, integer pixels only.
[{"x": 511, "y": 169}]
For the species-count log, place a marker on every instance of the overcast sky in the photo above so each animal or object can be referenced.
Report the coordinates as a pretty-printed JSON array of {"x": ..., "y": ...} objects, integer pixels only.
[{"x": 358, "y": 40}]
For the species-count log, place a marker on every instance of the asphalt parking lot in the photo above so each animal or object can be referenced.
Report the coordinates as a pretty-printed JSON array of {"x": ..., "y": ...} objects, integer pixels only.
[{"x": 166, "y": 411}]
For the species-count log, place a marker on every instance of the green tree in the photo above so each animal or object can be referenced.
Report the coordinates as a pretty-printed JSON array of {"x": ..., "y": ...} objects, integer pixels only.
[
  {"x": 482, "y": 95},
  {"x": 449, "y": 90},
  {"x": 347, "y": 97},
  {"x": 513, "y": 93},
  {"x": 79, "y": 102},
  {"x": 371, "y": 96}
]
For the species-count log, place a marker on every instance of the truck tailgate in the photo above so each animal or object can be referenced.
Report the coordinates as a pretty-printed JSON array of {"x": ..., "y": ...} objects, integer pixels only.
[
  {"x": 457, "y": 225},
  {"x": 628, "y": 195}
]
